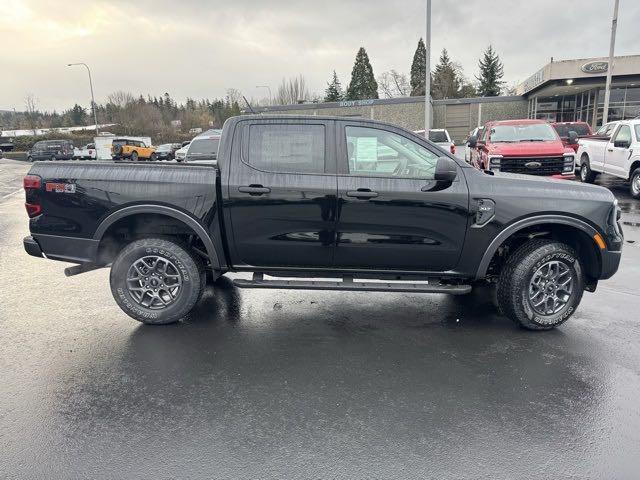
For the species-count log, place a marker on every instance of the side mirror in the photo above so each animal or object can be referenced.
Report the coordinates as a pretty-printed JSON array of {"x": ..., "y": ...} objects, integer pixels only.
[
  {"x": 573, "y": 137},
  {"x": 446, "y": 170},
  {"x": 621, "y": 144},
  {"x": 473, "y": 141}
]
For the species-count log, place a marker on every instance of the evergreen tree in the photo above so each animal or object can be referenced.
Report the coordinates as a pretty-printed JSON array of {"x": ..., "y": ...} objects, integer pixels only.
[
  {"x": 363, "y": 83},
  {"x": 446, "y": 79},
  {"x": 333, "y": 93},
  {"x": 491, "y": 73},
  {"x": 419, "y": 70},
  {"x": 78, "y": 115}
]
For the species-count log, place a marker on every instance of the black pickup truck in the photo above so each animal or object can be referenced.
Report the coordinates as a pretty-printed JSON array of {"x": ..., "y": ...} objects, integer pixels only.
[{"x": 323, "y": 203}]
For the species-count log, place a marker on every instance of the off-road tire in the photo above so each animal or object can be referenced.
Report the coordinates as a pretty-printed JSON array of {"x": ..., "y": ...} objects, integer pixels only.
[
  {"x": 134, "y": 156},
  {"x": 586, "y": 174},
  {"x": 634, "y": 188},
  {"x": 515, "y": 278},
  {"x": 190, "y": 267},
  {"x": 153, "y": 157}
]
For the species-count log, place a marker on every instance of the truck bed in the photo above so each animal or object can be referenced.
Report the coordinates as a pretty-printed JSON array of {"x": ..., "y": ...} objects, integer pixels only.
[{"x": 78, "y": 196}]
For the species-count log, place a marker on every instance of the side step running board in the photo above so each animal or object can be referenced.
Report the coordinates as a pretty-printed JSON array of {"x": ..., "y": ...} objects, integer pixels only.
[{"x": 348, "y": 284}]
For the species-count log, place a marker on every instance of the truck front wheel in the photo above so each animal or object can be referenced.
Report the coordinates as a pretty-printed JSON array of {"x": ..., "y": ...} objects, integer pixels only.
[
  {"x": 586, "y": 174},
  {"x": 541, "y": 285},
  {"x": 157, "y": 281},
  {"x": 635, "y": 183}
]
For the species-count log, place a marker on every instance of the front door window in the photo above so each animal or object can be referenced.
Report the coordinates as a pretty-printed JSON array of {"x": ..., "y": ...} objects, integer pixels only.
[{"x": 379, "y": 153}]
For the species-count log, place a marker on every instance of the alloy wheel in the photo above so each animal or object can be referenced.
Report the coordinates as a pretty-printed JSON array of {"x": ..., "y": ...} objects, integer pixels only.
[
  {"x": 551, "y": 287},
  {"x": 154, "y": 282}
]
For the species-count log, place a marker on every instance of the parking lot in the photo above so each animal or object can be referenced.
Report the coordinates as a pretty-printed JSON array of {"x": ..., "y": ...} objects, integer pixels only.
[{"x": 294, "y": 384}]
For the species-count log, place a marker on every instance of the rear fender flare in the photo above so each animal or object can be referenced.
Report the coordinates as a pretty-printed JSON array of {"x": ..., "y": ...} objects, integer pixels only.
[
  {"x": 524, "y": 223},
  {"x": 162, "y": 210}
]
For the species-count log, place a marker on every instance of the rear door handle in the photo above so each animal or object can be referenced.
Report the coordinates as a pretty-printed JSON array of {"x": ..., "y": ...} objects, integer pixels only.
[
  {"x": 610, "y": 149},
  {"x": 362, "y": 193},
  {"x": 254, "y": 190}
]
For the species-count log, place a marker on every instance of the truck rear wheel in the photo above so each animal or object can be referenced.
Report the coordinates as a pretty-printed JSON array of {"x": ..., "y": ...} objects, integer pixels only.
[
  {"x": 157, "y": 281},
  {"x": 541, "y": 285}
]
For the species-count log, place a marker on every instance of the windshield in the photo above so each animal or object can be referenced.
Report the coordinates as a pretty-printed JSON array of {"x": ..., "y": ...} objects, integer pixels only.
[
  {"x": 438, "y": 137},
  {"x": 580, "y": 128},
  {"x": 533, "y": 132},
  {"x": 164, "y": 148},
  {"x": 204, "y": 146},
  {"x": 637, "y": 129}
]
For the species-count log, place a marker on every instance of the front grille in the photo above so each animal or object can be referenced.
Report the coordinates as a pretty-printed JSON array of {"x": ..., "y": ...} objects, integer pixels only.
[{"x": 548, "y": 165}]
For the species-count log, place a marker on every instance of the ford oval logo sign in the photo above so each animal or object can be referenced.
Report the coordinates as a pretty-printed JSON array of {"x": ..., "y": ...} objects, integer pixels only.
[
  {"x": 533, "y": 165},
  {"x": 595, "y": 67}
]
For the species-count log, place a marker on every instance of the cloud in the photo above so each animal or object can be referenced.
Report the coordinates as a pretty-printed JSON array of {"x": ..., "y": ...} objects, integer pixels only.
[{"x": 199, "y": 49}]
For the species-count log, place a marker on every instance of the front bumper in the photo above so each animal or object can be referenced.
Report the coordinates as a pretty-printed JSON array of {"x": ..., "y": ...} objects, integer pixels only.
[{"x": 610, "y": 263}]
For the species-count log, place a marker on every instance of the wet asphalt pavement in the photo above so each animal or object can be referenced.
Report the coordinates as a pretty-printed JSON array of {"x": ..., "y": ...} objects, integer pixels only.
[{"x": 286, "y": 384}]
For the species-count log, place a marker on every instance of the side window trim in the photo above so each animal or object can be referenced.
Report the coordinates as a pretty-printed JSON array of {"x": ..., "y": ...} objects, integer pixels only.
[{"x": 329, "y": 145}]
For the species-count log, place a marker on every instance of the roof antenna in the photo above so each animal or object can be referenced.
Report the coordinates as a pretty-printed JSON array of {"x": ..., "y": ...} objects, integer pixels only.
[{"x": 248, "y": 104}]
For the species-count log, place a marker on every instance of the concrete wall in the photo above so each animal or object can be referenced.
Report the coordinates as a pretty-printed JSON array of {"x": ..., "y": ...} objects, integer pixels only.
[{"x": 409, "y": 112}]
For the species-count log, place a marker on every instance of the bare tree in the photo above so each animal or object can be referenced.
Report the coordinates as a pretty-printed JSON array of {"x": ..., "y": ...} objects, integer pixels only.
[
  {"x": 394, "y": 84},
  {"x": 31, "y": 111},
  {"x": 292, "y": 91}
]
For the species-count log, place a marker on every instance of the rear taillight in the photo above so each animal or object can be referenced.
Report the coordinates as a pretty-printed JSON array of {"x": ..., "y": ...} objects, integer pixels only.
[
  {"x": 453, "y": 149},
  {"x": 33, "y": 209},
  {"x": 32, "y": 182}
]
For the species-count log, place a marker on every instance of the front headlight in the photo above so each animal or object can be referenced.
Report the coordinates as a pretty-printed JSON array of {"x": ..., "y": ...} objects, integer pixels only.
[{"x": 569, "y": 164}]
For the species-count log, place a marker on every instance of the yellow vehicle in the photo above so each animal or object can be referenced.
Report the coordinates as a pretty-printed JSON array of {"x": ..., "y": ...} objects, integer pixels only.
[{"x": 132, "y": 149}]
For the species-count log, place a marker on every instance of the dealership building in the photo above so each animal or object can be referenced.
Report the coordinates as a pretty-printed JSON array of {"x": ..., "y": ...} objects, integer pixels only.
[{"x": 562, "y": 91}]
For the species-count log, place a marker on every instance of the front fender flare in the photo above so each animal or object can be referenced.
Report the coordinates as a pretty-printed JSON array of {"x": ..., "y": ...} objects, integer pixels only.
[
  {"x": 162, "y": 210},
  {"x": 524, "y": 223}
]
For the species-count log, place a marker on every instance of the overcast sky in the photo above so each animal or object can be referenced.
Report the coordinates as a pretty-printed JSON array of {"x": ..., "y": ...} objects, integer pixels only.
[{"x": 198, "y": 48}]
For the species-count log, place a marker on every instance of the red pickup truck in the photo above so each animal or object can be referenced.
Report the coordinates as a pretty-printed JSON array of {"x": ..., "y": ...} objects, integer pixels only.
[{"x": 523, "y": 146}]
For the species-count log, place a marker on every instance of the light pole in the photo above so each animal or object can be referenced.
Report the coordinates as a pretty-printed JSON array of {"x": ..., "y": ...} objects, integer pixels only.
[
  {"x": 268, "y": 88},
  {"x": 612, "y": 45},
  {"x": 427, "y": 77},
  {"x": 93, "y": 102}
]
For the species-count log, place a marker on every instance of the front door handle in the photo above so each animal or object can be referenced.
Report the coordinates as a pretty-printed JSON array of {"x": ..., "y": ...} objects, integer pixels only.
[
  {"x": 254, "y": 190},
  {"x": 610, "y": 149},
  {"x": 362, "y": 193}
]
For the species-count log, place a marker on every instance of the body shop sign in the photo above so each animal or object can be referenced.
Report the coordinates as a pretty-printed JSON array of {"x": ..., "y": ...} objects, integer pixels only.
[{"x": 595, "y": 67}]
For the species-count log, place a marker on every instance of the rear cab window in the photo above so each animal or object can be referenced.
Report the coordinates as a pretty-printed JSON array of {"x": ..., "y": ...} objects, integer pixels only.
[{"x": 287, "y": 148}]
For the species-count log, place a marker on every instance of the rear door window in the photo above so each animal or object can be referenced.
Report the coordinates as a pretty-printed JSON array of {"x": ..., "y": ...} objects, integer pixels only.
[{"x": 287, "y": 148}]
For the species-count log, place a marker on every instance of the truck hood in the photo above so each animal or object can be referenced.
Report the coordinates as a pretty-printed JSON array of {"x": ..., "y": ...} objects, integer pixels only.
[
  {"x": 551, "y": 188},
  {"x": 528, "y": 149}
]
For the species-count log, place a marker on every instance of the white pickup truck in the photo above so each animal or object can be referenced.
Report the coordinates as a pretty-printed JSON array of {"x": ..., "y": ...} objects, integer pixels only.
[
  {"x": 617, "y": 154},
  {"x": 88, "y": 152}
]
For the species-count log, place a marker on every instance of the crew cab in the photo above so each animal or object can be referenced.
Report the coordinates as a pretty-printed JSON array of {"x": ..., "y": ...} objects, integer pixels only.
[
  {"x": 617, "y": 154},
  {"x": 133, "y": 149},
  {"x": 324, "y": 203},
  {"x": 530, "y": 147}
]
